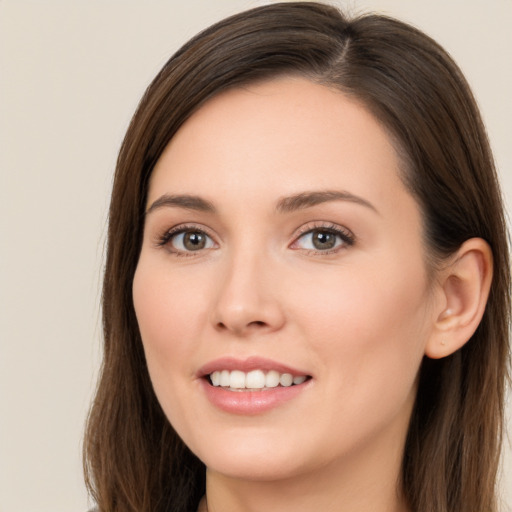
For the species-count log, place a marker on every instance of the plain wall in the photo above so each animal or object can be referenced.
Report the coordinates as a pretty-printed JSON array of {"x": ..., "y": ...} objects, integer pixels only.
[{"x": 71, "y": 74}]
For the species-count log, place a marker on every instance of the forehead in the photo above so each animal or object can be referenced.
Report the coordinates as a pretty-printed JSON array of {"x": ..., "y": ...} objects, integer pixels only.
[{"x": 278, "y": 138}]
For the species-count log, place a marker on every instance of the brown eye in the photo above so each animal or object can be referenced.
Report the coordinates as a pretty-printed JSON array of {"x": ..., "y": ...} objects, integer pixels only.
[
  {"x": 191, "y": 240},
  {"x": 194, "y": 241},
  {"x": 323, "y": 240}
]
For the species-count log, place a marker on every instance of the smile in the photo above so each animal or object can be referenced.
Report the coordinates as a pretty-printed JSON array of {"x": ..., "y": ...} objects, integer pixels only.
[
  {"x": 255, "y": 380},
  {"x": 251, "y": 386}
]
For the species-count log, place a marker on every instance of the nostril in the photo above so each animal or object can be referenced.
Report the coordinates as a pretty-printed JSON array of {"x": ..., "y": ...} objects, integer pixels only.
[
  {"x": 248, "y": 327},
  {"x": 258, "y": 323}
]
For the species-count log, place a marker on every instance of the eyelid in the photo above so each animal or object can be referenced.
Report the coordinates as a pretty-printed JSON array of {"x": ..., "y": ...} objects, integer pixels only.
[
  {"x": 348, "y": 238},
  {"x": 164, "y": 239}
]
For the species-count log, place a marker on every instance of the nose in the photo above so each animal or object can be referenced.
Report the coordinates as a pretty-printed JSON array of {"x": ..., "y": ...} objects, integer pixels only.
[{"x": 248, "y": 301}]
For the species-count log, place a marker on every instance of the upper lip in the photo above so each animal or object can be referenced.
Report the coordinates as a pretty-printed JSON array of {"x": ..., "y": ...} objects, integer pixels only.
[{"x": 246, "y": 365}]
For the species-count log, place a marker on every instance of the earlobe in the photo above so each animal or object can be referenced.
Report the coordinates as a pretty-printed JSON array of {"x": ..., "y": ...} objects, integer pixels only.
[{"x": 465, "y": 283}]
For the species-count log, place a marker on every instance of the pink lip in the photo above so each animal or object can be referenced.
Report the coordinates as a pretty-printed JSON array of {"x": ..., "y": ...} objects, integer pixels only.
[
  {"x": 249, "y": 402},
  {"x": 246, "y": 365}
]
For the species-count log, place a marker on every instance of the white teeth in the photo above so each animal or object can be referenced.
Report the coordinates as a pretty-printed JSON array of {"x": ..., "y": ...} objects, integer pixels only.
[
  {"x": 215, "y": 378},
  {"x": 224, "y": 378},
  {"x": 272, "y": 379},
  {"x": 286, "y": 379},
  {"x": 237, "y": 379},
  {"x": 255, "y": 379},
  {"x": 299, "y": 380}
]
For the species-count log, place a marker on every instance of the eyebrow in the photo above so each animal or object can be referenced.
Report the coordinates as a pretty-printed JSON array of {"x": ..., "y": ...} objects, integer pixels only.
[
  {"x": 287, "y": 204},
  {"x": 185, "y": 201},
  {"x": 309, "y": 199}
]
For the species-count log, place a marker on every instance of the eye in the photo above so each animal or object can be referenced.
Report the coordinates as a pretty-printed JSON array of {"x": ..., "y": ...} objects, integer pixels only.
[
  {"x": 186, "y": 240},
  {"x": 191, "y": 241},
  {"x": 324, "y": 239}
]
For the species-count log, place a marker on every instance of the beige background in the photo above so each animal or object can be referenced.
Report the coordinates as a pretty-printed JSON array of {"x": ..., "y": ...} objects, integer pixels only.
[{"x": 71, "y": 74}]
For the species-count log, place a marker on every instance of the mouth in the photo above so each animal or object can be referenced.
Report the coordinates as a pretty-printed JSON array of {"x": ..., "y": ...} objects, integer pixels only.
[
  {"x": 254, "y": 380},
  {"x": 252, "y": 374},
  {"x": 252, "y": 386}
]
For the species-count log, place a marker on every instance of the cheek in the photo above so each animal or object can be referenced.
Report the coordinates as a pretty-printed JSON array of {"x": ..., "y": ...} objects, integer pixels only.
[
  {"x": 167, "y": 306},
  {"x": 167, "y": 316},
  {"x": 167, "y": 313},
  {"x": 357, "y": 302},
  {"x": 368, "y": 324}
]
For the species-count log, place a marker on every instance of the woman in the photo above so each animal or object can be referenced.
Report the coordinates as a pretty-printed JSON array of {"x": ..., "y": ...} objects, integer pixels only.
[{"x": 306, "y": 296}]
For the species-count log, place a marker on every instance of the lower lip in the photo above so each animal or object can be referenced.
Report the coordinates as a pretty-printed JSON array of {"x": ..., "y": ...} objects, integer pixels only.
[{"x": 251, "y": 402}]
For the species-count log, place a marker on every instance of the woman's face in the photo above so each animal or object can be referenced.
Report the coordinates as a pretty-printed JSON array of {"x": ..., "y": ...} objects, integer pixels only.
[{"x": 281, "y": 247}]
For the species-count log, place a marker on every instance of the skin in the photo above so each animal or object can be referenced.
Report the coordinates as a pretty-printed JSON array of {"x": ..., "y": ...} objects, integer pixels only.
[{"x": 357, "y": 319}]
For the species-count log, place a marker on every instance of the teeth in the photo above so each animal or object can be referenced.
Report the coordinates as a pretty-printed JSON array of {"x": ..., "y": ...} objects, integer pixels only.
[
  {"x": 272, "y": 379},
  {"x": 224, "y": 378},
  {"x": 215, "y": 378},
  {"x": 286, "y": 379},
  {"x": 299, "y": 380},
  {"x": 237, "y": 379},
  {"x": 255, "y": 379}
]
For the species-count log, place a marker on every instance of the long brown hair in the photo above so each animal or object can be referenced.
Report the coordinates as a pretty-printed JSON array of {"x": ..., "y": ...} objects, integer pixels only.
[{"x": 134, "y": 461}]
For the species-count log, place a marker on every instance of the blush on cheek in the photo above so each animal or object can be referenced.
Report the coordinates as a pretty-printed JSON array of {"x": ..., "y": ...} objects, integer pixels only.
[{"x": 168, "y": 315}]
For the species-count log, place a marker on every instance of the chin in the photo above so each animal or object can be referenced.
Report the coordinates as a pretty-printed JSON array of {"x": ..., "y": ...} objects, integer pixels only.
[
  {"x": 256, "y": 458},
  {"x": 255, "y": 469}
]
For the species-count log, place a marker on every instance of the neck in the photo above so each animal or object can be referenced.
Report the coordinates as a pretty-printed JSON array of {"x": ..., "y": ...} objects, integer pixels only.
[{"x": 367, "y": 484}]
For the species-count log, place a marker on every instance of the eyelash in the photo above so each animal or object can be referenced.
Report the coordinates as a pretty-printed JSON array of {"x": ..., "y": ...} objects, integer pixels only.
[
  {"x": 165, "y": 239},
  {"x": 345, "y": 236}
]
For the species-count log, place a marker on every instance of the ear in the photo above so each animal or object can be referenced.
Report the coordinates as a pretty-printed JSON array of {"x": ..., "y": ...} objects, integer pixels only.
[{"x": 464, "y": 285}]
